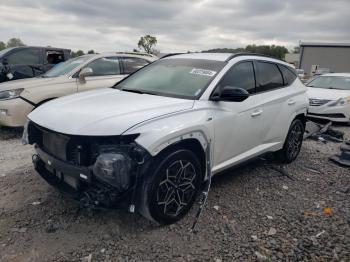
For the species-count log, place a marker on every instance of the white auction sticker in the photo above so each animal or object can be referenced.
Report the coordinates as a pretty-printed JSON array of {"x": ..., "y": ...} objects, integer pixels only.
[{"x": 203, "y": 72}]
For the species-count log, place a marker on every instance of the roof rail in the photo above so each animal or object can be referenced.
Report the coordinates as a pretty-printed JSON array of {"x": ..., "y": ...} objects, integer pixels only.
[
  {"x": 251, "y": 54},
  {"x": 136, "y": 53}
]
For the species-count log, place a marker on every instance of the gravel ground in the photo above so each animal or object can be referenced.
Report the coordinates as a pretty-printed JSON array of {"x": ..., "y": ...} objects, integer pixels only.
[{"x": 253, "y": 213}]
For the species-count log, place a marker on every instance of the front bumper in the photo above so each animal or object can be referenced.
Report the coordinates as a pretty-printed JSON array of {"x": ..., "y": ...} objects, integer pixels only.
[
  {"x": 80, "y": 183},
  {"x": 332, "y": 113},
  {"x": 13, "y": 112}
]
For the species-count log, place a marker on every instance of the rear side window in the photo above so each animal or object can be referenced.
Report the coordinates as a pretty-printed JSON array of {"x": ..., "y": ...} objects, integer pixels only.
[
  {"x": 240, "y": 75},
  {"x": 24, "y": 57},
  {"x": 54, "y": 57},
  {"x": 288, "y": 75},
  {"x": 269, "y": 76},
  {"x": 132, "y": 64},
  {"x": 105, "y": 66}
]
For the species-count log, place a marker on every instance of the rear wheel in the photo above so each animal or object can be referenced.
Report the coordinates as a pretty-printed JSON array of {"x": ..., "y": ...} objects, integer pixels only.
[
  {"x": 169, "y": 193},
  {"x": 293, "y": 142}
]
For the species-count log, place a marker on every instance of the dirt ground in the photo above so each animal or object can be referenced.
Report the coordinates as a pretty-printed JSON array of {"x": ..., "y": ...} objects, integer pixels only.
[{"x": 253, "y": 213}]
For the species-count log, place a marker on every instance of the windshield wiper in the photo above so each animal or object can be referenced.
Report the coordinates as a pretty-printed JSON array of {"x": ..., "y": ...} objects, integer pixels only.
[
  {"x": 137, "y": 91},
  {"x": 132, "y": 90}
]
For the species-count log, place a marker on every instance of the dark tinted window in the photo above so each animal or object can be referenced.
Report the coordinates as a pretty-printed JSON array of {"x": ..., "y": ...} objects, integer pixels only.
[
  {"x": 24, "y": 57},
  {"x": 131, "y": 64},
  {"x": 269, "y": 76},
  {"x": 105, "y": 66},
  {"x": 241, "y": 75},
  {"x": 288, "y": 75}
]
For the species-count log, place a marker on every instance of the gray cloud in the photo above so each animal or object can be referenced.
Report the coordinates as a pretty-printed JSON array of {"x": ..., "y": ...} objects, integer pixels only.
[{"x": 180, "y": 25}]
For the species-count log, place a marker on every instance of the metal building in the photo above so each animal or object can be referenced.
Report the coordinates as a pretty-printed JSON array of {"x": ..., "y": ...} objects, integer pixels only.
[{"x": 320, "y": 56}]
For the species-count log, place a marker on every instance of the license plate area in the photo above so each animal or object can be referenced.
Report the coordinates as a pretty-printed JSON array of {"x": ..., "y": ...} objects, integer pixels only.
[{"x": 71, "y": 181}]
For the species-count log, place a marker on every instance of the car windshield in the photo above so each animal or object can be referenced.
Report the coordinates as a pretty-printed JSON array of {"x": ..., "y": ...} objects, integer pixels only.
[
  {"x": 330, "y": 82},
  {"x": 174, "y": 77},
  {"x": 66, "y": 67}
]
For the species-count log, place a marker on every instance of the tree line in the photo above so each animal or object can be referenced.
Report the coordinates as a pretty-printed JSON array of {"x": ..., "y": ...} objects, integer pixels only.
[{"x": 147, "y": 44}]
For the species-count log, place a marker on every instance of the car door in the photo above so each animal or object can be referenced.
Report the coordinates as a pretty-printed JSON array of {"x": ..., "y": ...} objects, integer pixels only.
[
  {"x": 276, "y": 101},
  {"x": 106, "y": 72},
  {"x": 24, "y": 63},
  {"x": 237, "y": 125}
]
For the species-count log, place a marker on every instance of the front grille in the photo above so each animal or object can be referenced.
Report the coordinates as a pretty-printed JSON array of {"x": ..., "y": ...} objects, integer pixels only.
[
  {"x": 55, "y": 144},
  {"x": 318, "y": 102},
  {"x": 336, "y": 115}
]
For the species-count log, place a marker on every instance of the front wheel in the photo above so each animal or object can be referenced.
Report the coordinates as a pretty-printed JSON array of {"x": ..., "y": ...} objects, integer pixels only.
[
  {"x": 293, "y": 142},
  {"x": 170, "y": 191}
]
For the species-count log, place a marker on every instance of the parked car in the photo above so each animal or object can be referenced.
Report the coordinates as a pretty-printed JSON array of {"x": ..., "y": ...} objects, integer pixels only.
[
  {"x": 29, "y": 61},
  {"x": 149, "y": 142},
  {"x": 19, "y": 98},
  {"x": 329, "y": 97}
]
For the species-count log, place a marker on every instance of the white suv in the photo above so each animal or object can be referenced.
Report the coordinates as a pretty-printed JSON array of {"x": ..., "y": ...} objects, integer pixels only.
[{"x": 149, "y": 142}]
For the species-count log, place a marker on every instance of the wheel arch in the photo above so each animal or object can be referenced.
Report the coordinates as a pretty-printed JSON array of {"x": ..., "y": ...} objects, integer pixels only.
[{"x": 191, "y": 144}]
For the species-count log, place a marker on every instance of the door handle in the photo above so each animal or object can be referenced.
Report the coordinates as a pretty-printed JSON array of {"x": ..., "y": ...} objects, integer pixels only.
[
  {"x": 291, "y": 102},
  {"x": 256, "y": 113}
]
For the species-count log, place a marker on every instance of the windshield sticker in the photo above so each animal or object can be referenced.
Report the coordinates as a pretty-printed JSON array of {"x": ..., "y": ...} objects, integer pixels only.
[{"x": 202, "y": 72}]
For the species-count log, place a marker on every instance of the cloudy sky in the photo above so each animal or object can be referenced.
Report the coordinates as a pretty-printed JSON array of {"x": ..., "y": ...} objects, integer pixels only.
[{"x": 179, "y": 25}]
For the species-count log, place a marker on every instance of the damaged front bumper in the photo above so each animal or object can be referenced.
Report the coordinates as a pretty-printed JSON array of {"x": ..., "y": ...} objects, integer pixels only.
[{"x": 109, "y": 175}]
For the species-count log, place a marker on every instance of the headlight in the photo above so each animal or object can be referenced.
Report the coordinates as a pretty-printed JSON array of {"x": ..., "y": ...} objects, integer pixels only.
[
  {"x": 114, "y": 169},
  {"x": 10, "y": 94},
  {"x": 341, "y": 101}
]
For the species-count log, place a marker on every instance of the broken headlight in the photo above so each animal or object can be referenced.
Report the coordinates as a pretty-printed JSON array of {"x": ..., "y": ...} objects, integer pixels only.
[{"x": 113, "y": 169}]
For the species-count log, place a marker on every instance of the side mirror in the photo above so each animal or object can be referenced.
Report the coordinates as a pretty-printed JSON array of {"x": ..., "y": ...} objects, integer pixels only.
[
  {"x": 230, "y": 93},
  {"x": 86, "y": 71}
]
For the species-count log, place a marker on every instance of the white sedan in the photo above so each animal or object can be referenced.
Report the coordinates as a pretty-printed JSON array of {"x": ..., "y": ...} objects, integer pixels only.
[{"x": 329, "y": 97}]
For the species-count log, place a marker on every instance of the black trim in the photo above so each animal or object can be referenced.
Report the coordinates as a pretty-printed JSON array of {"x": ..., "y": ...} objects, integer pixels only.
[{"x": 29, "y": 102}]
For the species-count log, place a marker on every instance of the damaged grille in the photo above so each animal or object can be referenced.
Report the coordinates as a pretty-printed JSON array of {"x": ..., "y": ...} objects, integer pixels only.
[
  {"x": 77, "y": 150},
  {"x": 318, "y": 102}
]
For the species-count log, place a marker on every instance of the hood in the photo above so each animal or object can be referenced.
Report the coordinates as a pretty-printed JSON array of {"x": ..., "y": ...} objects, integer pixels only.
[
  {"x": 328, "y": 94},
  {"x": 32, "y": 82},
  {"x": 104, "y": 112}
]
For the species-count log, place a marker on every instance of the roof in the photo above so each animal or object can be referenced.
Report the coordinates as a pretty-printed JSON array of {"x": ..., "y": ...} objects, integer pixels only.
[
  {"x": 143, "y": 56},
  {"x": 207, "y": 56},
  {"x": 225, "y": 57},
  {"x": 314, "y": 44}
]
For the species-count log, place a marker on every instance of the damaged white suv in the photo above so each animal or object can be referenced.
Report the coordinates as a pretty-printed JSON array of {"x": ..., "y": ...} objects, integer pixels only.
[{"x": 151, "y": 142}]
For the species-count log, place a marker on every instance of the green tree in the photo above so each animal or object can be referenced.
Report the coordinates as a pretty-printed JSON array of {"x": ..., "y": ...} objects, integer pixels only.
[
  {"x": 147, "y": 43},
  {"x": 91, "y": 52},
  {"x": 77, "y": 53},
  {"x": 2, "y": 45},
  {"x": 296, "y": 50},
  {"x": 14, "y": 42}
]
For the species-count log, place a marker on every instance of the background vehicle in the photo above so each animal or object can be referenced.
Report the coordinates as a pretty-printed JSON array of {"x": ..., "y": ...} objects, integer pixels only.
[
  {"x": 149, "y": 143},
  {"x": 18, "y": 98},
  {"x": 329, "y": 97},
  {"x": 29, "y": 61}
]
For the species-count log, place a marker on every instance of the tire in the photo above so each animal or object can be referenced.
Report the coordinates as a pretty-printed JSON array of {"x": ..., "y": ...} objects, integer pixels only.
[
  {"x": 170, "y": 191},
  {"x": 293, "y": 142}
]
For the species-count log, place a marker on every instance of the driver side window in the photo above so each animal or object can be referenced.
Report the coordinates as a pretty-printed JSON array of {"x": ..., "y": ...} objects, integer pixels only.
[{"x": 240, "y": 75}]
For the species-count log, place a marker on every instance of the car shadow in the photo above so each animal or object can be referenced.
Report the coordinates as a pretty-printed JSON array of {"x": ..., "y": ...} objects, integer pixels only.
[{"x": 7, "y": 133}]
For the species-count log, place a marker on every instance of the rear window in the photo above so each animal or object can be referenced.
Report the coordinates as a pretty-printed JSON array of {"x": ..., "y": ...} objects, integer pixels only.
[
  {"x": 269, "y": 76},
  {"x": 288, "y": 75}
]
